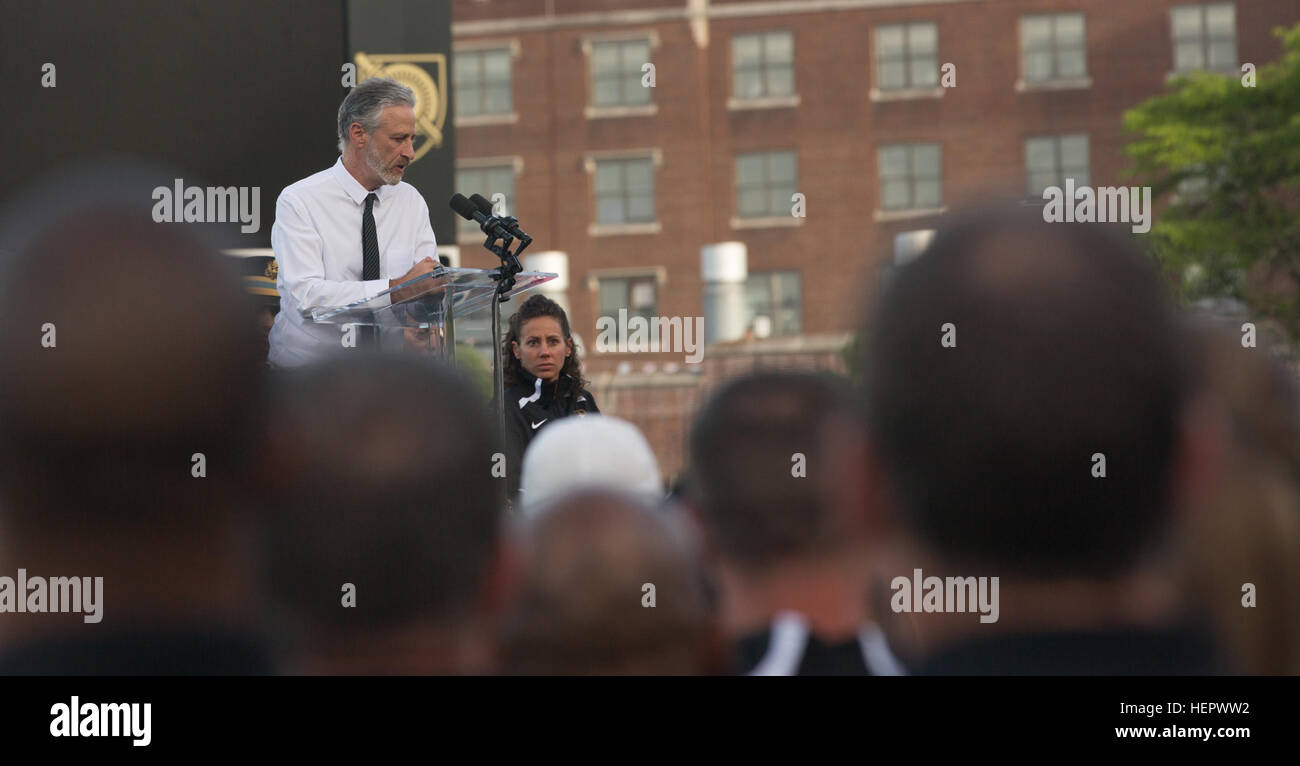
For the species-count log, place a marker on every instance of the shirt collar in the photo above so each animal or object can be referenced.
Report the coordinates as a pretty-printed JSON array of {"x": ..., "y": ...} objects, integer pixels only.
[
  {"x": 526, "y": 378},
  {"x": 353, "y": 187},
  {"x": 548, "y": 389}
]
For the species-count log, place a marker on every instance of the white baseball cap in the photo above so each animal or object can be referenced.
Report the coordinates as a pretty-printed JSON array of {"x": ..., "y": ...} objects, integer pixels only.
[{"x": 588, "y": 452}]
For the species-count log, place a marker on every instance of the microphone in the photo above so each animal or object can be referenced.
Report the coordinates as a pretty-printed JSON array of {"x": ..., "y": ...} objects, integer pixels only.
[
  {"x": 511, "y": 225},
  {"x": 470, "y": 212},
  {"x": 498, "y": 229}
]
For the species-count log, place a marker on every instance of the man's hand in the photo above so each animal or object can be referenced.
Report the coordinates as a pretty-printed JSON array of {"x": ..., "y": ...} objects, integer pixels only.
[{"x": 423, "y": 267}]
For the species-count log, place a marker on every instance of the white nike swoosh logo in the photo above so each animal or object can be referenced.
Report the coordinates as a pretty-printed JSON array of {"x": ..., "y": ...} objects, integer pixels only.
[{"x": 537, "y": 425}]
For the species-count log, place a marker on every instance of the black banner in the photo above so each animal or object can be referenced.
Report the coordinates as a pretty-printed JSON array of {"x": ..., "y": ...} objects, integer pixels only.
[
  {"x": 238, "y": 94},
  {"x": 410, "y": 41},
  {"x": 990, "y": 716}
]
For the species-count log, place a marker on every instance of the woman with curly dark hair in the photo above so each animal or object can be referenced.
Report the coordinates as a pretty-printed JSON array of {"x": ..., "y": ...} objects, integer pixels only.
[{"x": 542, "y": 375}]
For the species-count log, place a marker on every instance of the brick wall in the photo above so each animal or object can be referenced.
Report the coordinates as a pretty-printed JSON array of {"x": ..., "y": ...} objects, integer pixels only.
[{"x": 835, "y": 130}]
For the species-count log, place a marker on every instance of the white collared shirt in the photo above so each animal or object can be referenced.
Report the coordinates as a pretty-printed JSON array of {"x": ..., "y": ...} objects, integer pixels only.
[
  {"x": 317, "y": 243},
  {"x": 789, "y": 634}
]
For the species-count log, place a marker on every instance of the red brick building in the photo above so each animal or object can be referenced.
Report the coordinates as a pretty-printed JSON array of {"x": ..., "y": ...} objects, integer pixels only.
[{"x": 882, "y": 115}]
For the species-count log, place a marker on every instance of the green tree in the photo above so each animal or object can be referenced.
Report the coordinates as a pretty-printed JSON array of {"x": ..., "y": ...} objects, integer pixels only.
[
  {"x": 1226, "y": 159},
  {"x": 476, "y": 368}
]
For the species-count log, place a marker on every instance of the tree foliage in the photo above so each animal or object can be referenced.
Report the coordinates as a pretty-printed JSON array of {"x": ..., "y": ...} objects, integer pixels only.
[{"x": 1225, "y": 159}]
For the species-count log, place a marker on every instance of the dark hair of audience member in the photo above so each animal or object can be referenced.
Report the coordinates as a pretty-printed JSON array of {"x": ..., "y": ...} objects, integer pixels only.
[
  {"x": 758, "y": 466},
  {"x": 389, "y": 488},
  {"x": 1065, "y": 351},
  {"x": 153, "y": 368},
  {"x": 591, "y": 562}
]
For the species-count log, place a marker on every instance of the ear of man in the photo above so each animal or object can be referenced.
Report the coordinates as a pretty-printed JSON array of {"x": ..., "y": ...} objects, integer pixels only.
[
  {"x": 357, "y": 133},
  {"x": 1200, "y": 455}
]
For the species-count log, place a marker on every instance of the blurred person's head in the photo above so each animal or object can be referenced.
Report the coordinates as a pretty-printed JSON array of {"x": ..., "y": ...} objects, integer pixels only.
[
  {"x": 1063, "y": 347},
  {"x": 376, "y": 124},
  {"x": 589, "y": 452},
  {"x": 540, "y": 343},
  {"x": 769, "y": 456},
  {"x": 609, "y": 586},
  {"x": 129, "y": 405},
  {"x": 1030, "y": 405},
  {"x": 1243, "y": 538},
  {"x": 387, "y": 500}
]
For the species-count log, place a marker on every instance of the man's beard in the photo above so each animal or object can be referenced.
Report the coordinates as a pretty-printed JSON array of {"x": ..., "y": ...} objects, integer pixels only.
[{"x": 375, "y": 162}]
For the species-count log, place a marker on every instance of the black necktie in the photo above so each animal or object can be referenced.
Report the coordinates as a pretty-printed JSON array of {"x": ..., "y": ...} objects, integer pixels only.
[
  {"x": 369, "y": 241},
  {"x": 369, "y": 263}
]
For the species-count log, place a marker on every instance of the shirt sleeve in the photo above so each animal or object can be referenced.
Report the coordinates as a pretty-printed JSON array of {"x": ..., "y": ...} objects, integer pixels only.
[
  {"x": 300, "y": 252},
  {"x": 426, "y": 244}
]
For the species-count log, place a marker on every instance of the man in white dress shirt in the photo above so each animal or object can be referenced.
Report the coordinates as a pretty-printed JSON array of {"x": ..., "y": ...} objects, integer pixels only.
[{"x": 350, "y": 232}]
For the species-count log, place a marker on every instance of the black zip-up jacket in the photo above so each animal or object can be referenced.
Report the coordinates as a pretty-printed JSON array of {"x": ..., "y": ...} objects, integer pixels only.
[{"x": 530, "y": 405}]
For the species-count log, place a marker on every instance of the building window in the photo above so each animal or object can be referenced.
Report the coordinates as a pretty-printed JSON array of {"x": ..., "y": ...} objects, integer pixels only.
[
  {"x": 638, "y": 295},
  {"x": 1050, "y": 160},
  {"x": 1205, "y": 37},
  {"x": 625, "y": 191},
  {"x": 1052, "y": 47},
  {"x": 911, "y": 177},
  {"x": 774, "y": 303},
  {"x": 765, "y": 183},
  {"x": 616, "y": 72},
  {"x": 487, "y": 181},
  {"x": 907, "y": 56},
  {"x": 483, "y": 82},
  {"x": 762, "y": 65}
]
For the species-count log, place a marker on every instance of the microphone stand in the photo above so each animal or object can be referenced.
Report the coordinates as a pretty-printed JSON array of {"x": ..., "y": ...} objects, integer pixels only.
[{"x": 504, "y": 275}]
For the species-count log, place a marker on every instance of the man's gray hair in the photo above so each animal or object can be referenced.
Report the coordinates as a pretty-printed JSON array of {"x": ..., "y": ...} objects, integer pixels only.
[{"x": 367, "y": 100}]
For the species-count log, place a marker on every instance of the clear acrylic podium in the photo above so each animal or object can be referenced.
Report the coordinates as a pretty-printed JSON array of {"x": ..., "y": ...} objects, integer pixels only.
[{"x": 436, "y": 299}]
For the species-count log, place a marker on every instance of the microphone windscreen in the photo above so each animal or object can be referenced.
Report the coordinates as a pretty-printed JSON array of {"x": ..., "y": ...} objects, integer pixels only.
[
  {"x": 463, "y": 207},
  {"x": 484, "y": 206}
]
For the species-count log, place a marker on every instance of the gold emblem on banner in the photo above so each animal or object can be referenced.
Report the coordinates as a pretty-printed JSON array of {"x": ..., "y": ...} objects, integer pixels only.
[{"x": 426, "y": 75}]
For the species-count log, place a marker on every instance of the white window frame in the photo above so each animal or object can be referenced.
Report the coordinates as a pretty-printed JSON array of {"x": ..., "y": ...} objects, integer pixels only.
[
  {"x": 489, "y": 118},
  {"x": 1204, "y": 39},
  {"x": 895, "y": 214},
  {"x": 1058, "y": 166},
  {"x": 766, "y": 100},
  {"x": 1056, "y": 82},
  {"x": 587, "y": 44},
  {"x": 589, "y": 161},
  {"x": 486, "y": 163}
]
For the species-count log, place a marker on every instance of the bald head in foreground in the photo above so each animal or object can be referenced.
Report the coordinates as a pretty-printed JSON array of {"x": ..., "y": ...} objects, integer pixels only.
[{"x": 1032, "y": 411}]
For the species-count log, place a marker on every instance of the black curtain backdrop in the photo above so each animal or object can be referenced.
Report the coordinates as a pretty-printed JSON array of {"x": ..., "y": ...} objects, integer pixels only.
[{"x": 237, "y": 93}]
